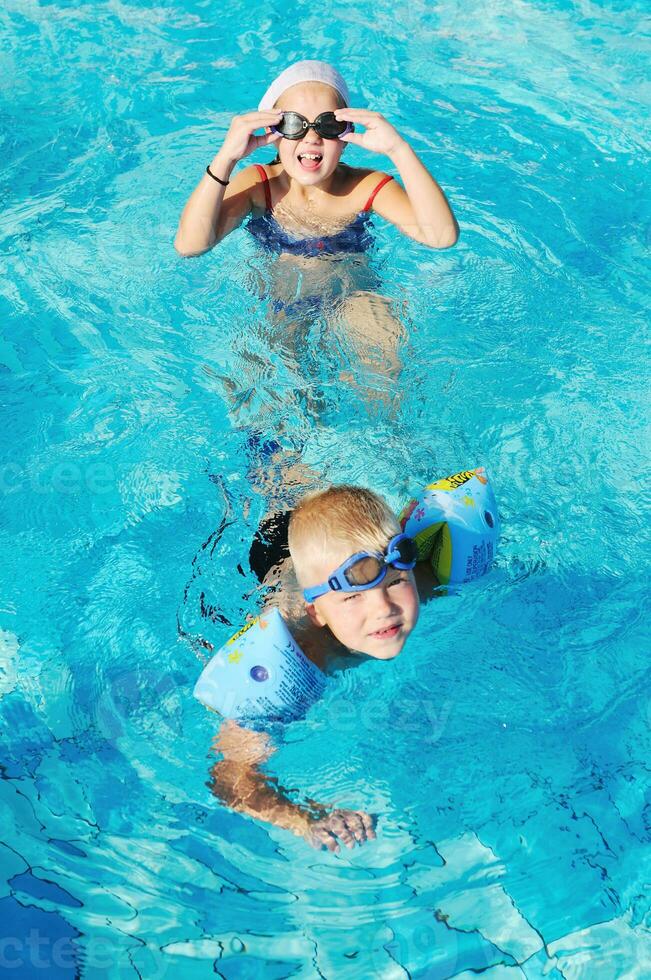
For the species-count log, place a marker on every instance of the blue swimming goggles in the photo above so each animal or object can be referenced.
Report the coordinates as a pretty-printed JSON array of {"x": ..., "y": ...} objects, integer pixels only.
[{"x": 365, "y": 569}]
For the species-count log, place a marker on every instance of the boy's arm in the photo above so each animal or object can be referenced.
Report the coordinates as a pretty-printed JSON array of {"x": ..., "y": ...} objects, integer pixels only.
[{"x": 238, "y": 782}]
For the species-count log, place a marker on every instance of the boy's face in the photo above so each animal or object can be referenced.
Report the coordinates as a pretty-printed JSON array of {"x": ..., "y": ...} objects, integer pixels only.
[
  {"x": 310, "y": 100},
  {"x": 376, "y": 621}
]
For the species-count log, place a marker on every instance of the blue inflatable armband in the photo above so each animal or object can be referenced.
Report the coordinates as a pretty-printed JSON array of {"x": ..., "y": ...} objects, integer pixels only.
[
  {"x": 454, "y": 523},
  {"x": 260, "y": 673}
]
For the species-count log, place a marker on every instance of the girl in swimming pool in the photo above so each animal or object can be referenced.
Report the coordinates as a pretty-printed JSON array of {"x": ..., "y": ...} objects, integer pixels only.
[
  {"x": 307, "y": 202},
  {"x": 311, "y": 210}
]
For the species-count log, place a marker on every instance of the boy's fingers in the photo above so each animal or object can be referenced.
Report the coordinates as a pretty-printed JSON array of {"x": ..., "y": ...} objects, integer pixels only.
[
  {"x": 331, "y": 843},
  {"x": 359, "y": 824},
  {"x": 345, "y": 825},
  {"x": 345, "y": 832},
  {"x": 337, "y": 823},
  {"x": 322, "y": 837},
  {"x": 356, "y": 826},
  {"x": 368, "y": 822}
]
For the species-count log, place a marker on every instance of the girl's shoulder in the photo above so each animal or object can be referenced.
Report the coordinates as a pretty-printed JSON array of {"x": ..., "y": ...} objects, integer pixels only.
[
  {"x": 355, "y": 189},
  {"x": 360, "y": 176},
  {"x": 251, "y": 181},
  {"x": 356, "y": 175},
  {"x": 360, "y": 184}
]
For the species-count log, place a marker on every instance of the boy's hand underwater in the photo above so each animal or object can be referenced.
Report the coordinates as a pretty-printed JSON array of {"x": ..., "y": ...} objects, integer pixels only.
[{"x": 345, "y": 825}]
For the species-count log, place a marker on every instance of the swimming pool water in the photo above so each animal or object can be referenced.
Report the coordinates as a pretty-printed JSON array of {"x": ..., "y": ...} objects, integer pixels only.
[{"x": 505, "y": 752}]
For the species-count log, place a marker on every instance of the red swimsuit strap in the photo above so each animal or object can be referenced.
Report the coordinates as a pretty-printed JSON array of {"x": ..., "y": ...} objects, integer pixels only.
[
  {"x": 385, "y": 180},
  {"x": 267, "y": 191},
  {"x": 265, "y": 182}
]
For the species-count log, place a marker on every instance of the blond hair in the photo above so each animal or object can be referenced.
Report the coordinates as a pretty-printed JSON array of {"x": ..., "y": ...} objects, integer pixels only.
[{"x": 331, "y": 521}]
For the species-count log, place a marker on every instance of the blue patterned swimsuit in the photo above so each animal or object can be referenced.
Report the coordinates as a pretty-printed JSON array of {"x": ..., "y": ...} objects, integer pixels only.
[{"x": 354, "y": 238}]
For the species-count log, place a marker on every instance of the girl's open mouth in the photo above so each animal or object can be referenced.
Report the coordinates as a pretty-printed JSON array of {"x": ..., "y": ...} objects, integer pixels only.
[{"x": 310, "y": 161}]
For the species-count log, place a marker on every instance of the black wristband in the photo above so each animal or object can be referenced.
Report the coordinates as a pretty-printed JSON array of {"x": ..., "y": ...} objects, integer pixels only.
[{"x": 224, "y": 183}]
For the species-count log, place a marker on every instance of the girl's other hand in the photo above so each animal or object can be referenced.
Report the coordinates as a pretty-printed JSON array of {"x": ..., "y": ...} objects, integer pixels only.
[
  {"x": 379, "y": 135},
  {"x": 240, "y": 138}
]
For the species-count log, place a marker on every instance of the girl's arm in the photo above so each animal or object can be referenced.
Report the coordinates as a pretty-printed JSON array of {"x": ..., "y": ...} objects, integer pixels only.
[
  {"x": 213, "y": 211},
  {"x": 420, "y": 209}
]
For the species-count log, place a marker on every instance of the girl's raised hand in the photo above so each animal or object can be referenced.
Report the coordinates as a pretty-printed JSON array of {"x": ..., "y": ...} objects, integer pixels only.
[
  {"x": 379, "y": 135},
  {"x": 240, "y": 138}
]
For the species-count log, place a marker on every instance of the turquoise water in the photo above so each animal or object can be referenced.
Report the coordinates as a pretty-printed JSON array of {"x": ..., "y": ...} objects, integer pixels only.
[{"x": 505, "y": 753}]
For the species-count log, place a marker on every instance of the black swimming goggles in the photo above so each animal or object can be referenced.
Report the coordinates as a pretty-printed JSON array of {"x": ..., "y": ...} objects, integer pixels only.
[
  {"x": 294, "y": 126},
  {"x": 366, "y": 569}
]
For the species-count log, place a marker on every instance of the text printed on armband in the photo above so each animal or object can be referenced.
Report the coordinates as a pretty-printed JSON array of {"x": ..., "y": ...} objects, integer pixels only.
[
  {"x": 479, "y": 560},
  {"x": 452, "y": 482}
]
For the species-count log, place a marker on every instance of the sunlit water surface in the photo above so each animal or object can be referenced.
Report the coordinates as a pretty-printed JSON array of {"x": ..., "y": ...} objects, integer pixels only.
[{"x": 504, "y": 752}]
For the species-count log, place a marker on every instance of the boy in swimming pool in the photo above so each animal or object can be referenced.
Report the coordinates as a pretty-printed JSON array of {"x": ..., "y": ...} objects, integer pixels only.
[
  {"x": 307, "y": 202},
  {"x": 371, "y": 615}
]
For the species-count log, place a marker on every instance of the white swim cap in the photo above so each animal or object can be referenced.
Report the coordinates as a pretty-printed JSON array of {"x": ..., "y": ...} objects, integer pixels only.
[{"x": 304, "y": 71}]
